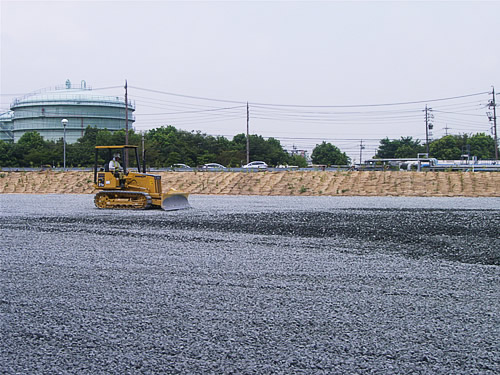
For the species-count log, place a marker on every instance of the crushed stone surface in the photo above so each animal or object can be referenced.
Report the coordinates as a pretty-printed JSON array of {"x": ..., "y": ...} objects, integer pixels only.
[{"x": 250, "y": 285}]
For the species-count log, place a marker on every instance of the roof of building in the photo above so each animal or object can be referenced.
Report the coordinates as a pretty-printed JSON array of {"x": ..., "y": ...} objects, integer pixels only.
[{"x": 69, "y": 95}]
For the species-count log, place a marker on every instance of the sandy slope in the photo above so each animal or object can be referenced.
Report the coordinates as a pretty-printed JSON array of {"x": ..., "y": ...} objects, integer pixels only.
[{"x": 389, "y": 183}]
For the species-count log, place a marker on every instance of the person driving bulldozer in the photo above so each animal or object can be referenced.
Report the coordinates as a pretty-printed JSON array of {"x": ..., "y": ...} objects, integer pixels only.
[
  {"x": 114, "y": 164},
  {"x": 115, "y": 167}
]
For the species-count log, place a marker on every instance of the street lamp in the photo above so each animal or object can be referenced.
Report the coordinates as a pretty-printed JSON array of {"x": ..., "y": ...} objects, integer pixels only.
[{"x": 64, "y": 122}]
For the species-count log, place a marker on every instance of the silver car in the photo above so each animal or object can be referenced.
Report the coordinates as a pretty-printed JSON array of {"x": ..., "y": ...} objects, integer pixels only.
[
  {"x": 213, "y": 166},
  {"x": 180, "y": 166},
  {"x": 256, "y": 165}
]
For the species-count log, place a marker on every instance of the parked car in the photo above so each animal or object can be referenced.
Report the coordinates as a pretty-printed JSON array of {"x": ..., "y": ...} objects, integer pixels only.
[
  {"x": 180, "y": 166},
  {"x": 256, "y": 165},
  {"x": 213, "y": 166},
  {"x": 286, "y": 166}
]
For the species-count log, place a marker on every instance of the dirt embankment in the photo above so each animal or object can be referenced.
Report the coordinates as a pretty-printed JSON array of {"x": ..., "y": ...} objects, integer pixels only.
[{"x": 426, "y": 184}]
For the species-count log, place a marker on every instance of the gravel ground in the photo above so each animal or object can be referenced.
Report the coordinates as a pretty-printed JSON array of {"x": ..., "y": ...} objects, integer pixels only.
[{"x": 247, "y": 285}]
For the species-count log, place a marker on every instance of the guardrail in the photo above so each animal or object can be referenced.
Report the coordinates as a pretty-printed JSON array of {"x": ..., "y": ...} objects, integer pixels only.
[{"x": 438, "y": 168}]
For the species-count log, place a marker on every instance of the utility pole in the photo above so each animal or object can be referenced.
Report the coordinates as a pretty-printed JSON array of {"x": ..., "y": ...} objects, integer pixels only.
[
  {"x": 126, "y": 125},
  {"x": 143, "y": 155},
  {"x": 361, "y": 148},
  {"x": 248, "y": 134},
  {"x": 64, "y": 123},
  {"x": 428, "y": 127},
  {"x": 446, "y": 129},
  {"x": 492, "y": 104}
]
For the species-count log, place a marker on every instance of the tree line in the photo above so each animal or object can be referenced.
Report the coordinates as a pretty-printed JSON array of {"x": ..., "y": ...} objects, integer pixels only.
[
  {"x": 166, "y": 146},
  {"x": 449, "y": 147}
]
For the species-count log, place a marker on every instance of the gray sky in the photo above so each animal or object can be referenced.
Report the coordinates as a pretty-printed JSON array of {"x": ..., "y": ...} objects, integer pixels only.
[{"x": 311, "y": 58}]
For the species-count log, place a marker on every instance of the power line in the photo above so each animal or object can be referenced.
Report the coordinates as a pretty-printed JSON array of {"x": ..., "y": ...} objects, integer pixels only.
[
  {"x": 187, "y": 96},
  {"x": 311, "y": 106},
  {"x": 458, "y": 113},
  {"x": 106, "y": 88},
  {"x": 372, "y": 105},
  {"x": 161, "y": 108},
  {"x": 184, "y": 112}
]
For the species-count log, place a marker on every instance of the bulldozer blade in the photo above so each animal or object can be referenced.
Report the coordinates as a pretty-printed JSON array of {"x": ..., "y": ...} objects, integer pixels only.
[{"x": 175, "y": 201}]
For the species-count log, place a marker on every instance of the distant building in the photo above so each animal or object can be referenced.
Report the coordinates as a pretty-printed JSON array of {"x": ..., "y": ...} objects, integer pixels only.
[
  {"x": 295, "y": 151},
  {"x": 43, "y": 111},
  {"x": 6, "y": 126}
]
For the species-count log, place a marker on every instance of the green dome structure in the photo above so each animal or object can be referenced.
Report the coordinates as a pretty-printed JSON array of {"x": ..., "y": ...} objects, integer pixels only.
[{"x": 43, "y": 112}]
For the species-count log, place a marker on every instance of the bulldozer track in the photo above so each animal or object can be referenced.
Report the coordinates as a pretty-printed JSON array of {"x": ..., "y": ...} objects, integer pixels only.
[{"x": 122, "y": 200}]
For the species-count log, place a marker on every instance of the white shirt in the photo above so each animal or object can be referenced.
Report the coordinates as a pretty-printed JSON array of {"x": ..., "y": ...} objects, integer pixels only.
[{"x": 114, "y": 164}]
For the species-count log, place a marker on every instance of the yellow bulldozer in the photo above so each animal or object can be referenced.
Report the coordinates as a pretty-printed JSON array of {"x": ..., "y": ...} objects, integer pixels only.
[{"x": 129, "y": 189}]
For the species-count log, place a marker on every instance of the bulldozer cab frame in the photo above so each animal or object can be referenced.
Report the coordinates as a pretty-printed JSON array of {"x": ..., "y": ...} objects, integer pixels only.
[{"x": 109, "y": 152}]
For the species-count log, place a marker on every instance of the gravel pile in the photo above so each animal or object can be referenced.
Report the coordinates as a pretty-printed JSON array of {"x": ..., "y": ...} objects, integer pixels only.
[{"x": 249, "y": 287}]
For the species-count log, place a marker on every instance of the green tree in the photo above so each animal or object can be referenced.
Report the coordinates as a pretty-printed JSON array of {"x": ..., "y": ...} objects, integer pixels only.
[
  {"x": 405, "y": 147},
  {"x": 269, "y": 151},
  {"x": 6, "y": 157},
  {"x": 275, "y": 153},
  {"x": 452, "y": 147},
  {"x": 29, "y": 150},
  {"x": 31, "y": 140},
  {"x": 232, "y": 158},
  {"x": 482, "y": 146},
  {"x": 298, "y": 160},
  {"x": 328, "y": 154},
  {"x": 173, "y": 158},
  {"x": 104, "y": 138},
  {"x": 163, "y": 141},
  {"x": 82, "y": 152},
  {"x": 445, "y": 148},
  {"x": 387, "y": 149}
]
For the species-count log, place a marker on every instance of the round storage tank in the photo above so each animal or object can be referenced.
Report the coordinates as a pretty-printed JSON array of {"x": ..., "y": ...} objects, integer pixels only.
[
  {"x": 6, "y": 126},
  {"x": 43, "y": 112}
]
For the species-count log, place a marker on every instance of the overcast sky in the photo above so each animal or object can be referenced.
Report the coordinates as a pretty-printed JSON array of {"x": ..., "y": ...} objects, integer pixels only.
[{"x": 309, "y": 70}]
